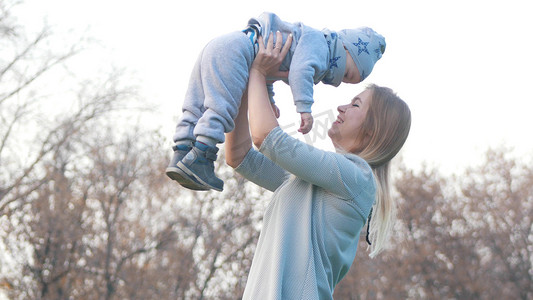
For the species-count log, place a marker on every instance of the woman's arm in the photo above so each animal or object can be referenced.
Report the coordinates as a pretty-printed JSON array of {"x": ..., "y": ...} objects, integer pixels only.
[
  {"x": 331, "y": 171},
  {"x": 238, "y": 142},
  {"x": 251, "y": 164},
  {"x": 266, "y": 63}
]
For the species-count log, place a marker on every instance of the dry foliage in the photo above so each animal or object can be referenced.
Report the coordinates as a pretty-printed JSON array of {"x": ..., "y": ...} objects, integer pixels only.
[{"x": 86, "y": 211}]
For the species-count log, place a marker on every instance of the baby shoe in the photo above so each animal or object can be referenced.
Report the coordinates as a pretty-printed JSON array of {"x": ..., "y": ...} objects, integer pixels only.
[
  {"x": 198, "y": 164},
  {"x": 174, "y": 173}
]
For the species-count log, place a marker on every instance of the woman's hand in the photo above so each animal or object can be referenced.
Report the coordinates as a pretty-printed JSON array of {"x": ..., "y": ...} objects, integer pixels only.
[{"x": 269, "y": 59}]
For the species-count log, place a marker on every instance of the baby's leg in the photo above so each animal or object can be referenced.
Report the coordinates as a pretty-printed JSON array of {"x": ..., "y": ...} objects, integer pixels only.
[
  {"x": 217, "y": 84},
  {"x": 193, "y": 106},
  {"x": 224, "y": 80}
]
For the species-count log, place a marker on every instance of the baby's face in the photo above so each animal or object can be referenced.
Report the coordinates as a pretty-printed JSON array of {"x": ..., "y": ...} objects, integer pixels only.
[{"x": 351, "y": 74}]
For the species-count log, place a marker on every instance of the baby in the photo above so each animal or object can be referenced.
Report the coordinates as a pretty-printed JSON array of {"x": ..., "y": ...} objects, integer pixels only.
[{"x": 220, "y": 76}]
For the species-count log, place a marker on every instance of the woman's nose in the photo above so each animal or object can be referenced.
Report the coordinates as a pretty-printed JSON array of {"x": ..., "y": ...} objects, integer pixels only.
[{"x": 341, "y": 108}]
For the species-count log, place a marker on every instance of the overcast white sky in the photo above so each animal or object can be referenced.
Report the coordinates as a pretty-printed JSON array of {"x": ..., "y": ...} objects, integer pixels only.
[{"x": 464, "y": 67}]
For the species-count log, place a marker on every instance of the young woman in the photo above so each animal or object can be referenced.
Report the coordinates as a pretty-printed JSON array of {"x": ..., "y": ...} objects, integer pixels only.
[{"x": 321, "y": 199}]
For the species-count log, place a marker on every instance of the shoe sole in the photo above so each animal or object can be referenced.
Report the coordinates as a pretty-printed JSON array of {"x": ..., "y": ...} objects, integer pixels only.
[
  {"x": 183, "y": 179},
  {"x": 183, "y": 170}
]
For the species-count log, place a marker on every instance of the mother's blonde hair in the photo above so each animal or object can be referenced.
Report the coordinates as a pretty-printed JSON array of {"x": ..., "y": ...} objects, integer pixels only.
[{"x": 388, "y": 122}]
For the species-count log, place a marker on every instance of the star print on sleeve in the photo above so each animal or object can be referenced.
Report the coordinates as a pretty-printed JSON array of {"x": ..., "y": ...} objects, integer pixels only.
[
  {"x": 333, "y": 62},
  {"x": 361, "y": 46}
]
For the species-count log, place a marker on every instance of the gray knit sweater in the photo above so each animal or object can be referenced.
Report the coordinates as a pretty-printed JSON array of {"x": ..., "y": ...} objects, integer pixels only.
[
  {"x": 311, "y": 226},
  {"x": 309, "y": 58}
]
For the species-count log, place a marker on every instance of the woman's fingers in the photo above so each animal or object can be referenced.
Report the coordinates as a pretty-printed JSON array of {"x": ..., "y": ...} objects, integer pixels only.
[
  {"x": 270, "y": 43},
  {"x": 270, "y": 58},
  {"x": 287, "y": 45},
  {"x": 279, "y": 41},
  {"x": 283, "y": 48},
  {"x": 261, "y": 43}
]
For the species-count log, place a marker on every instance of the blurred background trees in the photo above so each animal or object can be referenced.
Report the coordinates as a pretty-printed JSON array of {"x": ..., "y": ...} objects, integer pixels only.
[{"x": 86, "y": 211}]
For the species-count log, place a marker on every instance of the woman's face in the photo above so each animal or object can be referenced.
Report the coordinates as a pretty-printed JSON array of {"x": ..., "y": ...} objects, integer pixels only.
[
  {"x": 351, "y": 72},
  {"x": 346, "y": 132}
]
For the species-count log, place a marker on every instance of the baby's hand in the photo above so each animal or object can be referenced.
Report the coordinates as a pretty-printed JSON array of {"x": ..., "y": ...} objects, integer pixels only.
[{"x": 307, "y": 122}]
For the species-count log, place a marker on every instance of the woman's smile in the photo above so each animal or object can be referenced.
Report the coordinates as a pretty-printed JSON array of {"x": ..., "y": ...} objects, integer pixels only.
[
  {"x": 346, "y": 130},
  {"x": 339, "y": 120}
]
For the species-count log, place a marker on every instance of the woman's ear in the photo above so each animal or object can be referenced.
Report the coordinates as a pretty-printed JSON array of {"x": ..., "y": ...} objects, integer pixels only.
[{"x": 367, "y": 137}]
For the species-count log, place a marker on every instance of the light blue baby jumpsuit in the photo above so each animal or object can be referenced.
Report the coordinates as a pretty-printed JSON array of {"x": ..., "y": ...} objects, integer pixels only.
[
  {"x": 221, "y": 72},
  {"x": 311, "y": 227}
]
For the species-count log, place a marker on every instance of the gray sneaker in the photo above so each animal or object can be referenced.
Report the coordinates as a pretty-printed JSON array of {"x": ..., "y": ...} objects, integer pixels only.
[
  {"x": 198, "y": 165},
  {"x": 176, "y": 174}
]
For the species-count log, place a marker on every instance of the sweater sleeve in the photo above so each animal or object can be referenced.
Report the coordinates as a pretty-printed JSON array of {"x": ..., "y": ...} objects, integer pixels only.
[
  {"x": 308, "y": 65},
  {"x": 344, "y": 177},
  {"x": 260, "y": 170}
]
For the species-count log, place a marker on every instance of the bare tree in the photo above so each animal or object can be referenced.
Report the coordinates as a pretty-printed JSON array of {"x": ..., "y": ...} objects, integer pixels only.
[
  {"x": 24, "y": 61},
  {"x": 109, "y": 224},
  {"x": 209, "y": 245},
  {"x": 500, "y": 213},
  {"x": 86, "y": 211},
  {"x": 85, "y": 208}
]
